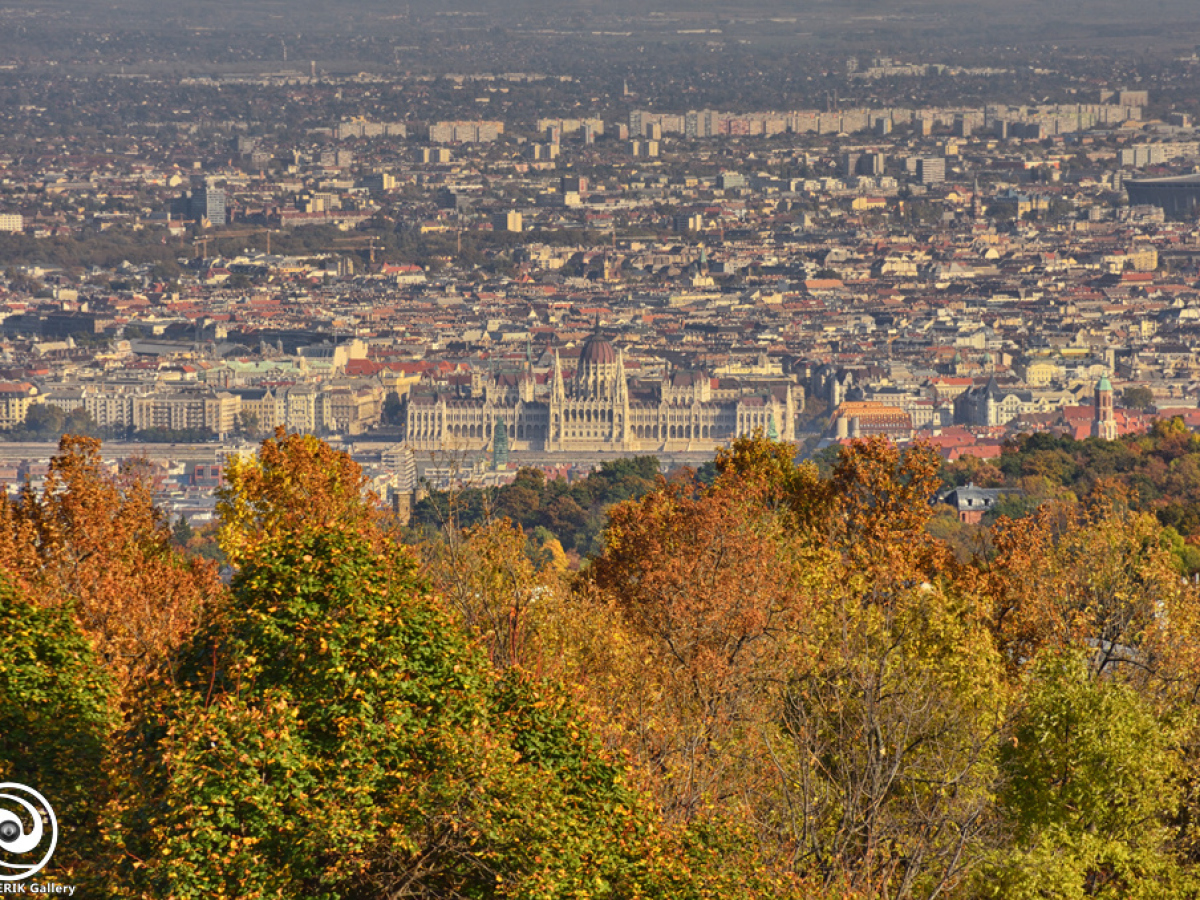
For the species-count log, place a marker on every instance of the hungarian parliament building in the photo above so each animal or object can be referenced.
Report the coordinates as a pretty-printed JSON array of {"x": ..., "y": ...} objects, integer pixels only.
[{"x": 598, "y": 409}]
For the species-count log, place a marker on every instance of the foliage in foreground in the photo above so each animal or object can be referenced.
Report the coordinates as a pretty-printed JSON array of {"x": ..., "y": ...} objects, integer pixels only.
[
  {"x": 770, "y": 683},
  {"x": 55, "y": 720},
  {"x": 331, "y": 733}
]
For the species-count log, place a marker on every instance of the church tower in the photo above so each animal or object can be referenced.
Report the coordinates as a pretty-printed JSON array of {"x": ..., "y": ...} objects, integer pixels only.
[{"x": 1104, "y": 425}]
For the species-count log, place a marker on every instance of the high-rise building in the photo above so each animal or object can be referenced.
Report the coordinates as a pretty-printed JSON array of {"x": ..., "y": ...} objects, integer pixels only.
[
  {"x": 465, "y": 132},
  {"x": 379, "y": 182},
  {"x": 509, "y": 221},
  {"x": 871, "y": 164},
  {"x": 208, "y": 203},
  {"x": 931, "y": 170},
  {"x": 731, "y": 180}
]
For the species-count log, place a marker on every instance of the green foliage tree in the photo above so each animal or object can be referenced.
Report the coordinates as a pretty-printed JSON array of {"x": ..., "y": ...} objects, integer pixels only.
[
  {"x": 44, "y": 422},
  {"x": 182, "y": 531},
  {"x": 1090, "y": 781},
  {"x": 572, "y": 511},
  {"x": 1138, "y": 397},
  {"x": 55, "y": 716},
  {"x": 331, "y": 733},
  {"x": 886, "y": 760}
]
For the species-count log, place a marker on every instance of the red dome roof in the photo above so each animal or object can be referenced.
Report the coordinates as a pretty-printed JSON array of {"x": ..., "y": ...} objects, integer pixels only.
[{"x": 598, "y": 351}]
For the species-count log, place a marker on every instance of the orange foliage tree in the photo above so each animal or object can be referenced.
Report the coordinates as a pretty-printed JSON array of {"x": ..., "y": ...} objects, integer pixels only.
[
  {"x": 712, "y": 589},
  {"x": 1093, "y": 574},
  {"x": 95, "y": 542},
  {"x": 797, "y": 654}
]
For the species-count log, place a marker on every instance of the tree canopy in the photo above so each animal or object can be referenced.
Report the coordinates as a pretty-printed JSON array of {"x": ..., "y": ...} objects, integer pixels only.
[{"x": 767, "y": 682}]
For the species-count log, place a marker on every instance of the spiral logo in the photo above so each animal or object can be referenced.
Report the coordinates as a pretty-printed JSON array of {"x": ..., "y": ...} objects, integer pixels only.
[{"x": 27, "y": 825}]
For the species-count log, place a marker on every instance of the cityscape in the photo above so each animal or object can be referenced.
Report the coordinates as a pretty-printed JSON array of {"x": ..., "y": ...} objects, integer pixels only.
[
  {"x": 743, "y": 451},
  {"x": 419, "y": 288}
]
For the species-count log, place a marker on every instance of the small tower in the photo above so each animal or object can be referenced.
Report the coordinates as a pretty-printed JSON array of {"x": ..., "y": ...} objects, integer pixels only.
[
  {"x": 1104, "y": 425},
  {"x": 500, "y": 445}
]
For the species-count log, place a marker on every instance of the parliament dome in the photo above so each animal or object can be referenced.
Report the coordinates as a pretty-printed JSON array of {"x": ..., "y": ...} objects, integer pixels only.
[{"x": 598, "y": 351}]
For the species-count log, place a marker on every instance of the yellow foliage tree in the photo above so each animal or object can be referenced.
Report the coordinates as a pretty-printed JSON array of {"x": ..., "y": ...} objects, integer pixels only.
[{"x": 296, "y": 480}]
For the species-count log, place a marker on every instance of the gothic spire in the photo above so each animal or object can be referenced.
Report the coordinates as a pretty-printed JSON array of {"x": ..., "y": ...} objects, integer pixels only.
[{"x": 558, "y": 390}]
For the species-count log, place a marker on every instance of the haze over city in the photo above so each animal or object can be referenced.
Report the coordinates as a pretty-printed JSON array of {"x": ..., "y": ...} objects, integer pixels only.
[{"x": 524, "y": 450}]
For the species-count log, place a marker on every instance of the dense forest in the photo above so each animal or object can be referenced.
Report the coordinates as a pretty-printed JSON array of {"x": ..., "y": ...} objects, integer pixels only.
[{"x": 773, "y": 682}]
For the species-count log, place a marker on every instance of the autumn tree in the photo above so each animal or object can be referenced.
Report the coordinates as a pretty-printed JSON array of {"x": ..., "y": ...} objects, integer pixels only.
[
  {"x": 789, "y": 663},
  {"x": 1091, "y": 782},
  {"x": 886, "y": 760},
  {"x": 873, "y": 508},
  {"x": 94, "y": 543},
  {"x": 1095, "y": 574},
  {"x": 497, "y": 581},
  {"x": 294, "y": 481},
  {"x": 711, "y": 586},
  {"x": 55, "y": 717},
  {"x": 767, "y": 472},
  {"x": 332, "y": 732},
  {"x": 775, "y": 681},
  {"x": 882, "y": 498}
]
